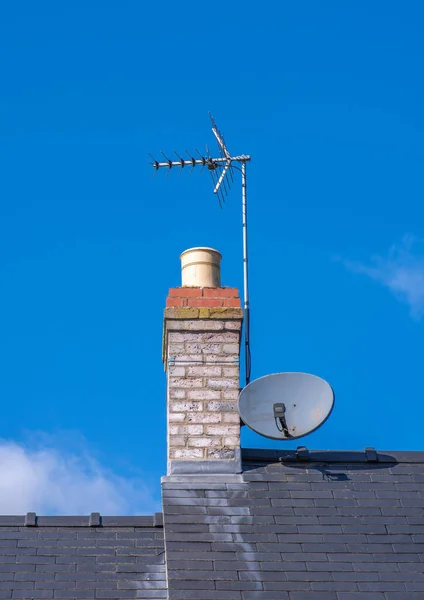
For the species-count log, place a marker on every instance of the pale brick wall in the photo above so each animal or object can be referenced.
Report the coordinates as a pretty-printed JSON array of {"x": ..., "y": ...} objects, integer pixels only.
[{"x": 201, "y": 355}]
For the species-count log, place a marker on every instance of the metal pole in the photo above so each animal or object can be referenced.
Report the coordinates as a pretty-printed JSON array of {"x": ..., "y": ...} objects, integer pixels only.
[{"x": 245, "y": 275}]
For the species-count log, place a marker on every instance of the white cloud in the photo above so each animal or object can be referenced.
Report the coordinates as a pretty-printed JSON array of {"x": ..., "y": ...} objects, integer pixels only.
[
  {"x": 402, "y": 272},
  {"x": 49, "y": 482}
]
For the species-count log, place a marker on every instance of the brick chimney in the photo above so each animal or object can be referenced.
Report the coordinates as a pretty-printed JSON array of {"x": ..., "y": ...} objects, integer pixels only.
[{"x": 201, "y": 351}]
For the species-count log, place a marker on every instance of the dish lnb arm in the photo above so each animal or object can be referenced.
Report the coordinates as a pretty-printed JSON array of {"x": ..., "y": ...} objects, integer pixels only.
[{"x": 280, "y": 418}]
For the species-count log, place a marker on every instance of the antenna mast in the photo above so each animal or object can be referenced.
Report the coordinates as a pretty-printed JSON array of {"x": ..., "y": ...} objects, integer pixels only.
[{"x": 221, "y": 170}]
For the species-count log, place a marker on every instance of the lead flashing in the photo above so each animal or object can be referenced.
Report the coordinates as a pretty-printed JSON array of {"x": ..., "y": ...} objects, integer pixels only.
[{"x": 206, "y": 467}]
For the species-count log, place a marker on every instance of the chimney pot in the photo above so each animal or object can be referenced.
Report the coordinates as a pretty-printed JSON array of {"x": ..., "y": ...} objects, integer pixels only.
[{"x": 200, "y": 267}]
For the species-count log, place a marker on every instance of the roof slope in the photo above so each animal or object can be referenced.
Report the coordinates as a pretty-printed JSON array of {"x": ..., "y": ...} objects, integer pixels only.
[
  {"x": 66, "y": 557},
  {"x": 293, "y": 526},
  {"x": 304, "y": 526}
]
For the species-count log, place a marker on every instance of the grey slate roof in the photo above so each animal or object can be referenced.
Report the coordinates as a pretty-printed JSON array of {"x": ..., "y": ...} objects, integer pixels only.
[
  {"x": 82, "y": 557},
  {"x": 305, "y": 526},
  {"x": 293, "y": 526}
]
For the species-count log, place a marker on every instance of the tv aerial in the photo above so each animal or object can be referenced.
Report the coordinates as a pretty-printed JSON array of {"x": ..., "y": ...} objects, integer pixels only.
[
  {"x": 286, "y": 406},
  {"x": 221, "y": 170}
]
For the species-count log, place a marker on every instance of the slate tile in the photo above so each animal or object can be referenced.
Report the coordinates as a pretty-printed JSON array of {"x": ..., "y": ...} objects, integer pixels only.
[
  {"x": 324, "y": 502},
  {"x": 402, "y": 576},
  {"x": 408, "y": 529},
  {"x": 360, "y": 596},
  {"x": 319, "y": 512},
  {"x": 226, "y": 528},
  {"x": 313, "y": 595},
  {"x": 297, "y": 485},
  {"x": 177, "y": 509},
  {"x": 365, "y": 529},
  {"x": 418, "y": 538},
  {"x": 33, "y": 577},
  {"x": 199, "y": 537},
  {"x": 311, "y": 494},
  {"x": 403, "y": 596},
  {"x": 309, "y": 576},
  {"x": 273, "y": 527},
  {"x": 298, "y": 520},
  {"x": 179, "y": 565},
  {"x": 204, "y": 595},
  {"x": 261, "y": 485},
  {"x": 232, "y": 547},
  {"x": 325, "y": 566},
  {"x": 325, "y": 547},
  {"x": 369, "y": 548},
  {"x": 394, "y": 558},
  {"x": 356, "y": 576},
  {"x": 289, "y": 586},
  {"x": 203, "y": 575},
  {"x": 290, "y": 502},
  {"x": 240, "y": 585},
  {"x": 188, "y": 546},
  {"x": 274, "y": 595},
  {"x": 192, "y": 502},
  {"x": 255, "y": 537},
  {"x": 411, "y": 566},
  {"x": 334, "y": 586},
  {"x": 358, "y": 511},
  {"x": 339, "y": 520},
  {"x": 303, "y": 556},
  {"x": 374, "y": 566},
  {"x": 352, "y": 538},
  {"x": 415, "y": 586},
  {"x": 283, "y": 566},
  {"x": 350, "y": 557},
  {"x": 194, "y": 493},
  {"x": 35, "y": 594},
  {"x": 381, "y": 586},
  {"x": 174, "y": 555},
  {"x": 181, "y": 584},
  {"x": 237, "y": 565},
  {"x": 63, "y": 585},
  {"x": 408, "y": 548},
  {"x": 262, "y": 576},
  {"x": 259, "y": 556},
  {"x": 300, "y": 538},
  {"x": 405, "y": 502},
  {"x": 397, "y": 494},
  {"x": 230, "y": 511},
  {"x": 115, "y": 594},
  {"x": 378, "y": 502},
  {"x": 17, "y": 585},
  {"x": 278, "y": 547},
  {"x": 320, "y": 529},
  {"x": 10, "y": 568}
]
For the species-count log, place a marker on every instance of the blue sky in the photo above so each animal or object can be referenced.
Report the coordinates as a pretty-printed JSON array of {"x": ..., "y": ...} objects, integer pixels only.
[{"x": 327, "y": 98}]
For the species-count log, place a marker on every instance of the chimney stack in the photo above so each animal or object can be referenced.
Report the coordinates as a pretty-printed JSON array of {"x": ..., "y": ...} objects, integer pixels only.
[{"x": 201, "y": 353}]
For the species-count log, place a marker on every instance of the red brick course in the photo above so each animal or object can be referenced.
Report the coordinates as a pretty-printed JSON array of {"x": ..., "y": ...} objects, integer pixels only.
[
  {"x": 186, "y": 292},
  {"x": 220, "y": 292},
  {"x": 198, "y": 297}
]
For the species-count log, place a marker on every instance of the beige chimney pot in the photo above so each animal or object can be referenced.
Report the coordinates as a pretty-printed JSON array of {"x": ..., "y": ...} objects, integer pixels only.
[{"x": 200, "y": 267}]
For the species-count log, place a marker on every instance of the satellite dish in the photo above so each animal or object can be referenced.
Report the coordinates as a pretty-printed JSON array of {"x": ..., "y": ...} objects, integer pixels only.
[{"x": 286, "y": 406}]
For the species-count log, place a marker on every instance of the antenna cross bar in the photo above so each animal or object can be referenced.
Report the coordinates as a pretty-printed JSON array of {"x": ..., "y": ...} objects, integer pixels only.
[{"x": 199, "y": 161}]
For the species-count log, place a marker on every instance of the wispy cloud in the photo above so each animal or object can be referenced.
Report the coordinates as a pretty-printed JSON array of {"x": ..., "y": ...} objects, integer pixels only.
[
  {"x": 50, "y": 481},
  {"x": 402, "y": 272}
]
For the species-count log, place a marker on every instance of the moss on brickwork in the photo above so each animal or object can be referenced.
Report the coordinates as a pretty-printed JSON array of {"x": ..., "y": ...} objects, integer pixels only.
[{"x": 187, "y": 312}]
